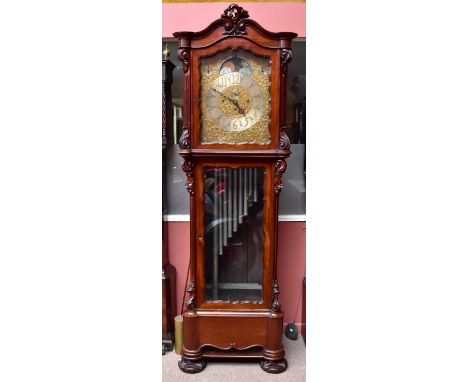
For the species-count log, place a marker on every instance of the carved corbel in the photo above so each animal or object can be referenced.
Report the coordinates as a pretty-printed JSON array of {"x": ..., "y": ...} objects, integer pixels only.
[
  {"x": 187, "y": 167},
  {"x": 183, "y": 55},
  {"x": 234, "y": 20},
  {"x": 286, "y": 57},
  {"x": 184, "y": 140},
  {"x": 275, "y": 304},
  {"x": 285, "y": 143},
  {"x": 190, "y": 303},
  {"x": 280, "y": 168}
]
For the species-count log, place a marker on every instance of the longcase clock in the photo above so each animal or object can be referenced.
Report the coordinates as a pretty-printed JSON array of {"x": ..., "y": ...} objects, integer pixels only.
[{"x": 234, "y": 146}]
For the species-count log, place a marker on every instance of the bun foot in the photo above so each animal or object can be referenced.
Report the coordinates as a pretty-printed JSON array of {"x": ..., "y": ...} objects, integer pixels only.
[
  {"x": 274, "y": 367},
  {"x": 191, "y": 367}
]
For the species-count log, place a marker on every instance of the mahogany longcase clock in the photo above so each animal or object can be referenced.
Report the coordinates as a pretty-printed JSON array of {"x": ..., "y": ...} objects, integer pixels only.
[{"x": 234, "y": 146}]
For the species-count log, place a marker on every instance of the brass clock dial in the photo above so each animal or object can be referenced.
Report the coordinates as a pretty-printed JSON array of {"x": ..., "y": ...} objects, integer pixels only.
[{"x": 235, "y": 99}]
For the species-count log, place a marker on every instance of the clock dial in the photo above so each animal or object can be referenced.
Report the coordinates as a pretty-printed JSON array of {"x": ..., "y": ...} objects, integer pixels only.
[
  {"x": 235, "y": 98},
  {"x": 238, "y": 98}
]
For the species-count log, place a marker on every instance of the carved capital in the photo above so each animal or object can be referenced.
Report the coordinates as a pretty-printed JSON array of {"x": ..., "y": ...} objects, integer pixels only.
[
  {"x": 187, "y": 167},
  {"x": 234, "y": 20},
  {"x": 184, "y": 140},
  {"x": 280, "y": 168},
  {"x": 275, "y": 305},
  {"x": 183, "y": 55},
  {"x": 191, "y": 299}
]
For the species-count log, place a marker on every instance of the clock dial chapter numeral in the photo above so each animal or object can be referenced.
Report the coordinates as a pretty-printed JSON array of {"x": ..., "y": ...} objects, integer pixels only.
[{"x": 228, "y": 79}]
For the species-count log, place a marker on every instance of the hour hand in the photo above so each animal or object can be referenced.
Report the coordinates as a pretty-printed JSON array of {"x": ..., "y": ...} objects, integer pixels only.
[
  {"x": 236, "y": 104},
  {"x": 233, "y": 101}
]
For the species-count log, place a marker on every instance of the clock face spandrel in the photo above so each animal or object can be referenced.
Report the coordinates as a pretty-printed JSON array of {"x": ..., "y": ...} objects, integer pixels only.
[{"x": 235, "y": 98}]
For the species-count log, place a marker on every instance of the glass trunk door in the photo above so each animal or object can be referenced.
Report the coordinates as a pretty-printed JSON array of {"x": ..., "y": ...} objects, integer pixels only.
[{"x": 234, "y": 238}]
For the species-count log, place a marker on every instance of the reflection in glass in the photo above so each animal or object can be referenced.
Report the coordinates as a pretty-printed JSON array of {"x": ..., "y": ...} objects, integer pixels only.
[{"x": 234, "y": 234}]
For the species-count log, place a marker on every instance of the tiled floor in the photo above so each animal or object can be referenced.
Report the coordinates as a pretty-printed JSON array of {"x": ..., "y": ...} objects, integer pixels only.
[{"x": 236, "y": 371}]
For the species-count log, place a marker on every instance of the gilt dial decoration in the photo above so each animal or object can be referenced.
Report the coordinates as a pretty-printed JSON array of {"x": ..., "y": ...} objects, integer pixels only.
[{"x": 235, "y": 98}]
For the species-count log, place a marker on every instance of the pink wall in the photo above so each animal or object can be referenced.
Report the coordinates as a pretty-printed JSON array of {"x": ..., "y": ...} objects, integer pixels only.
[
  {"x": 276, "y": 17},
  {"x": 291, "y": 263}
]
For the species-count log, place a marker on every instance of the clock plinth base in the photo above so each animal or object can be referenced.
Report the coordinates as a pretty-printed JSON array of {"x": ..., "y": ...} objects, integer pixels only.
[
  {"x": 191, "y": 367},
  {"x": 251, "y": 336},
  {"x": 274, "y": 367}
]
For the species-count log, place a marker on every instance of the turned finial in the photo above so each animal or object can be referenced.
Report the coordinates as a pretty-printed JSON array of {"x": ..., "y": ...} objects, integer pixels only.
[{"x": 166, "y": 53}]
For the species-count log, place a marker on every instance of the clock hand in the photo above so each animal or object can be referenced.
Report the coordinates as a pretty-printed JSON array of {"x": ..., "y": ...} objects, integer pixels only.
[
  {"x": 234, "y": 102},
  {"x": 221, "y": 94}
]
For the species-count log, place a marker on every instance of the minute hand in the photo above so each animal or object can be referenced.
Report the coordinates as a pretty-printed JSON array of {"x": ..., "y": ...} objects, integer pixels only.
[{"x": 233, "y": 101}]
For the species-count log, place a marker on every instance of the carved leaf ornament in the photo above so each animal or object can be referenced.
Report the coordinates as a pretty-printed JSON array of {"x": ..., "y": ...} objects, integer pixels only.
[
  {"x": 190, "y": 303},
  {"x": 187, "y": 167},
  {"x": 234, "y": 20},
  {"x": 280, "y": 168},
  {"x": 275, "y": 305}
]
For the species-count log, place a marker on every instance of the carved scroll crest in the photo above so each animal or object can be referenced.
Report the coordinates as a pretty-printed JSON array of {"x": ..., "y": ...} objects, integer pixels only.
[
  {"x": 280, "y": 168},
  {"x": 234, "y": 20},
  {"x": 183, "y": 55},
  {"x": 275, "y": 305},
  {"x": 187, "y": 167},
  {"x": 191, "y": 299}
]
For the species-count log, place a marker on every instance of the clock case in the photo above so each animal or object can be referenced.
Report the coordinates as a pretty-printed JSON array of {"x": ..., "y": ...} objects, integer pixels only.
[{"x": 233, "y": 329}]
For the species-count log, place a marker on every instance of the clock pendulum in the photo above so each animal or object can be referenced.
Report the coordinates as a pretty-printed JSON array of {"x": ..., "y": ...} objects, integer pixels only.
[{"x": 234, "y": 146}]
